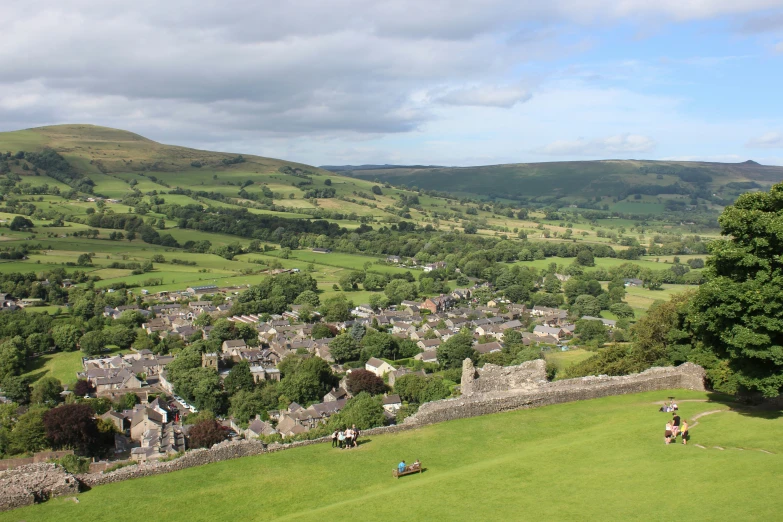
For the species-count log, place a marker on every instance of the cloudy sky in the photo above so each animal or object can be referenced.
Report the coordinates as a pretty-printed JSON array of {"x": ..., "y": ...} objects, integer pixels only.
[{"x": 444, "y": 82}]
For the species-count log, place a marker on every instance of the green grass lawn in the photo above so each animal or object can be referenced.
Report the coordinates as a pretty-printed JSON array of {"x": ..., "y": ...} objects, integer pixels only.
[
  {"x": 563, "y": 360},
  {"x": 600, "y": 459},
  {"x": 61, "y": 365}
]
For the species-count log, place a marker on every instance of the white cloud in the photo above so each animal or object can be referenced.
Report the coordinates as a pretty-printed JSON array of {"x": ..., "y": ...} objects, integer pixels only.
[
  {"x": 770, "y": 140},
  {"x": 485, "y": 96},
  {"x": 619, "y": 144}
]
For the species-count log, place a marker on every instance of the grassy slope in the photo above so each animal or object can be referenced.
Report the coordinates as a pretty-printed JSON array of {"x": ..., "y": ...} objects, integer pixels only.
[{"x": 587, "y": 460}]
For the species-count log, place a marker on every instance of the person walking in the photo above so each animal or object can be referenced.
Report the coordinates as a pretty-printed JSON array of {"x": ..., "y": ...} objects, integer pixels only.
[
  {"x": 667, "y": 434},
  {"x": 684, "y": 432},
  {"x": 355, "y": 435},
  {"x": 675, "y": 424}
]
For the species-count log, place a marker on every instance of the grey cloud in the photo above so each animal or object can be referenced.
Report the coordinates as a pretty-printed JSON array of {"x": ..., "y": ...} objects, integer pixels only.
[
  {"x": 485, "y": 96},
  {"x": 281, "y": 68}
]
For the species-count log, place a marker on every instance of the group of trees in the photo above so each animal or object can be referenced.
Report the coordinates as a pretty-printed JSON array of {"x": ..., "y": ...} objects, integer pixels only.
[{"x": 731, "y": 325}]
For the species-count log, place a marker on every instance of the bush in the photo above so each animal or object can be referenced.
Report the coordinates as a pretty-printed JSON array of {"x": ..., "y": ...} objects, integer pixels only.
[
  {"x": 206, "y": 434},
  {"x": 74, "y": 464},
  {"x": 365, "y": 381}
]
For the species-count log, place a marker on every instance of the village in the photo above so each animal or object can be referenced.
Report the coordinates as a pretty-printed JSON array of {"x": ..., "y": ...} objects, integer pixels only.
[{"x": 154, "y": 428}]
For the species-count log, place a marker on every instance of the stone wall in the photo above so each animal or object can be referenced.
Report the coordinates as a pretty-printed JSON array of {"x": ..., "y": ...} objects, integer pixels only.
[
  {"x": 33, "y": 483},
  {"x": 493, "y": 378},
  {"x": 687, "y": 376},
  {"x": 41, "y": 456}
]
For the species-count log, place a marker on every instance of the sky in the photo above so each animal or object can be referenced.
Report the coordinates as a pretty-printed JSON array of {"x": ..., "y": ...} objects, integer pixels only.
[{"x": 439, "y": 82}]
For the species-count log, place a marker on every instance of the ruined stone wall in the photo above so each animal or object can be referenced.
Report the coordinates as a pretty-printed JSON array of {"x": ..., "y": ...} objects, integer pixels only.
[
  {"x": 687, "y": 376},
  {"x": 492, "y": 378},
  {"x": 33, "y": 483}
]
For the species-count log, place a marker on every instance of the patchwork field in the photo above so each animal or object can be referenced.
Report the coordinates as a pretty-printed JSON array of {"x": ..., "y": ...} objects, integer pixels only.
[{"x": 600, "y": 459}]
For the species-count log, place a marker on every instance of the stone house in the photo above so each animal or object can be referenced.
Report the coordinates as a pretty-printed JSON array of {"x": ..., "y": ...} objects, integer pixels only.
[{"x": 378, "y": 367}]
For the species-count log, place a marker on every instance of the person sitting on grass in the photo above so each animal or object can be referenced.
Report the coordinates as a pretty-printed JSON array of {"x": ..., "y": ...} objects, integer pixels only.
[
  {"x": 684, "y": 432},
  {"x": 667, "y": 435},
  {"x": 401, "y": 467}
]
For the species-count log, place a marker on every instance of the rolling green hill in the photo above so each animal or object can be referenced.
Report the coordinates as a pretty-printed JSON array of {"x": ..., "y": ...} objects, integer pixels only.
[
  {"x": 600, "y": 459},
  {"x": 580, "y": 181}
]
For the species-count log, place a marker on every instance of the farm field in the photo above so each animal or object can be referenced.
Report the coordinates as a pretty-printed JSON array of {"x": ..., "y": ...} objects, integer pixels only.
[
  {"x": 563, "y": 360},
  {"x": 556, "y": 463}
]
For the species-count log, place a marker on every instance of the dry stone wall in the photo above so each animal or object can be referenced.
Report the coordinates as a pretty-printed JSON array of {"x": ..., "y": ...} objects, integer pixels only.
[{"x": 492, "y": 378}]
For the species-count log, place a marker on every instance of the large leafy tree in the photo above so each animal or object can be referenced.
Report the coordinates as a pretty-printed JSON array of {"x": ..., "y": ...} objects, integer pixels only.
[
  {"x": 458, "y": 348},
  {"x": 738, "y": 312},
  {"x": 207, "y": 433},
  {"x": 365, "y": 381},
  {"x": 72, "y": 426}
]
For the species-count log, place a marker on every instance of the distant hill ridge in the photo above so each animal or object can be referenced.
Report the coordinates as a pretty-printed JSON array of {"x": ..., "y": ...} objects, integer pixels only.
[{"x": 581, "y": 180}]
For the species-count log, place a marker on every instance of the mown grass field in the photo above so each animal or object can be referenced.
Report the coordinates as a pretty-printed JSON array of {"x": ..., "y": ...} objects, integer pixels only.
[{"x": 592, "y": 460}]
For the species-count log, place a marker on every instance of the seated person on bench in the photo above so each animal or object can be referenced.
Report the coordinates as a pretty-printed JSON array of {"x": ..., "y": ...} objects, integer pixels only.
[
  {"x": 416, "y": 466},
  {"x": 401, "y": 467}
]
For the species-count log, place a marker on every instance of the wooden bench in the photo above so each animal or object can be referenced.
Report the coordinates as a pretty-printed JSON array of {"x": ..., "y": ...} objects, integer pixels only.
[{"x": 408, "y": 471}]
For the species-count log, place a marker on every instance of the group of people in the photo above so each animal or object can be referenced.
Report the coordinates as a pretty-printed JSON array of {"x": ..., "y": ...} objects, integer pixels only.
[
  {"x": 667, "y": 408},
  {"x": 347, "y": 438},
  {"x": 673, "y": 428},
  {"x": 402, "y": 467}
]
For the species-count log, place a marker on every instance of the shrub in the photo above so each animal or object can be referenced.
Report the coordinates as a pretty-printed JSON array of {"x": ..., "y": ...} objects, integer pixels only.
[
  {"x": 74, "y": 464},
  {"x": 206, "y": 434}
]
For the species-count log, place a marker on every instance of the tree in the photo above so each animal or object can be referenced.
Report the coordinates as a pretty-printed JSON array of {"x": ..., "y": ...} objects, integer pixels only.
[
  {"x": 374, "y": 282},
  {"x": 344, "y": 347},
  {"x": 517, "y": 293},
  {"x": 737, "y": 313},
  {"x": 92, "y": 343},
  {"x": 378, "y": 344},
  {"x": 245, "y": 405},
  {"x": 206, "y": 434},
  {"x": 119, "y": 335},
  {"x": 399, "y": 290},
  {"x": 336, "y": 308},
  {"x": 364, "y": 381},
  {"x": 378, "y": 301},
  {"x": 16, "y": 389},
  {"x": 11, "y": 359},
  {"x": 308, "y": 297},
  {"x": 591, "y": 331},
  {"x": 306, "y": 380},
  {"x": 621, "y": 310},
  {"x": 29, "y": 433},
  {"x": 128, "y": 401},
  {"x": 470, "y": 228},
  {"x": 586, "y": 305},
  {"x": 585, "y": 257},
  {"x": 20, "y": 223},
  {"x": 410, "y": 387},
  {"x": 455, "y": 350},
  {"x": 364, "y": 411},
  {"x": 239, "y": 378},
  {"x": 82, "y": 388},
  {"x": 72, "y": 426},
  {"x": 377, "y": 190},
  {"x": 321, "y": 331},
  {"x": 47, "y": 392},
  {"x": 84, "y": 260}
]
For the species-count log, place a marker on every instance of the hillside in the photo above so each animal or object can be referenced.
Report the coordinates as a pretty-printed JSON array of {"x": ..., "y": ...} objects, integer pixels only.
[
  {"x": 582, "y": 181},
  {"x": 586, "y": 460}
]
